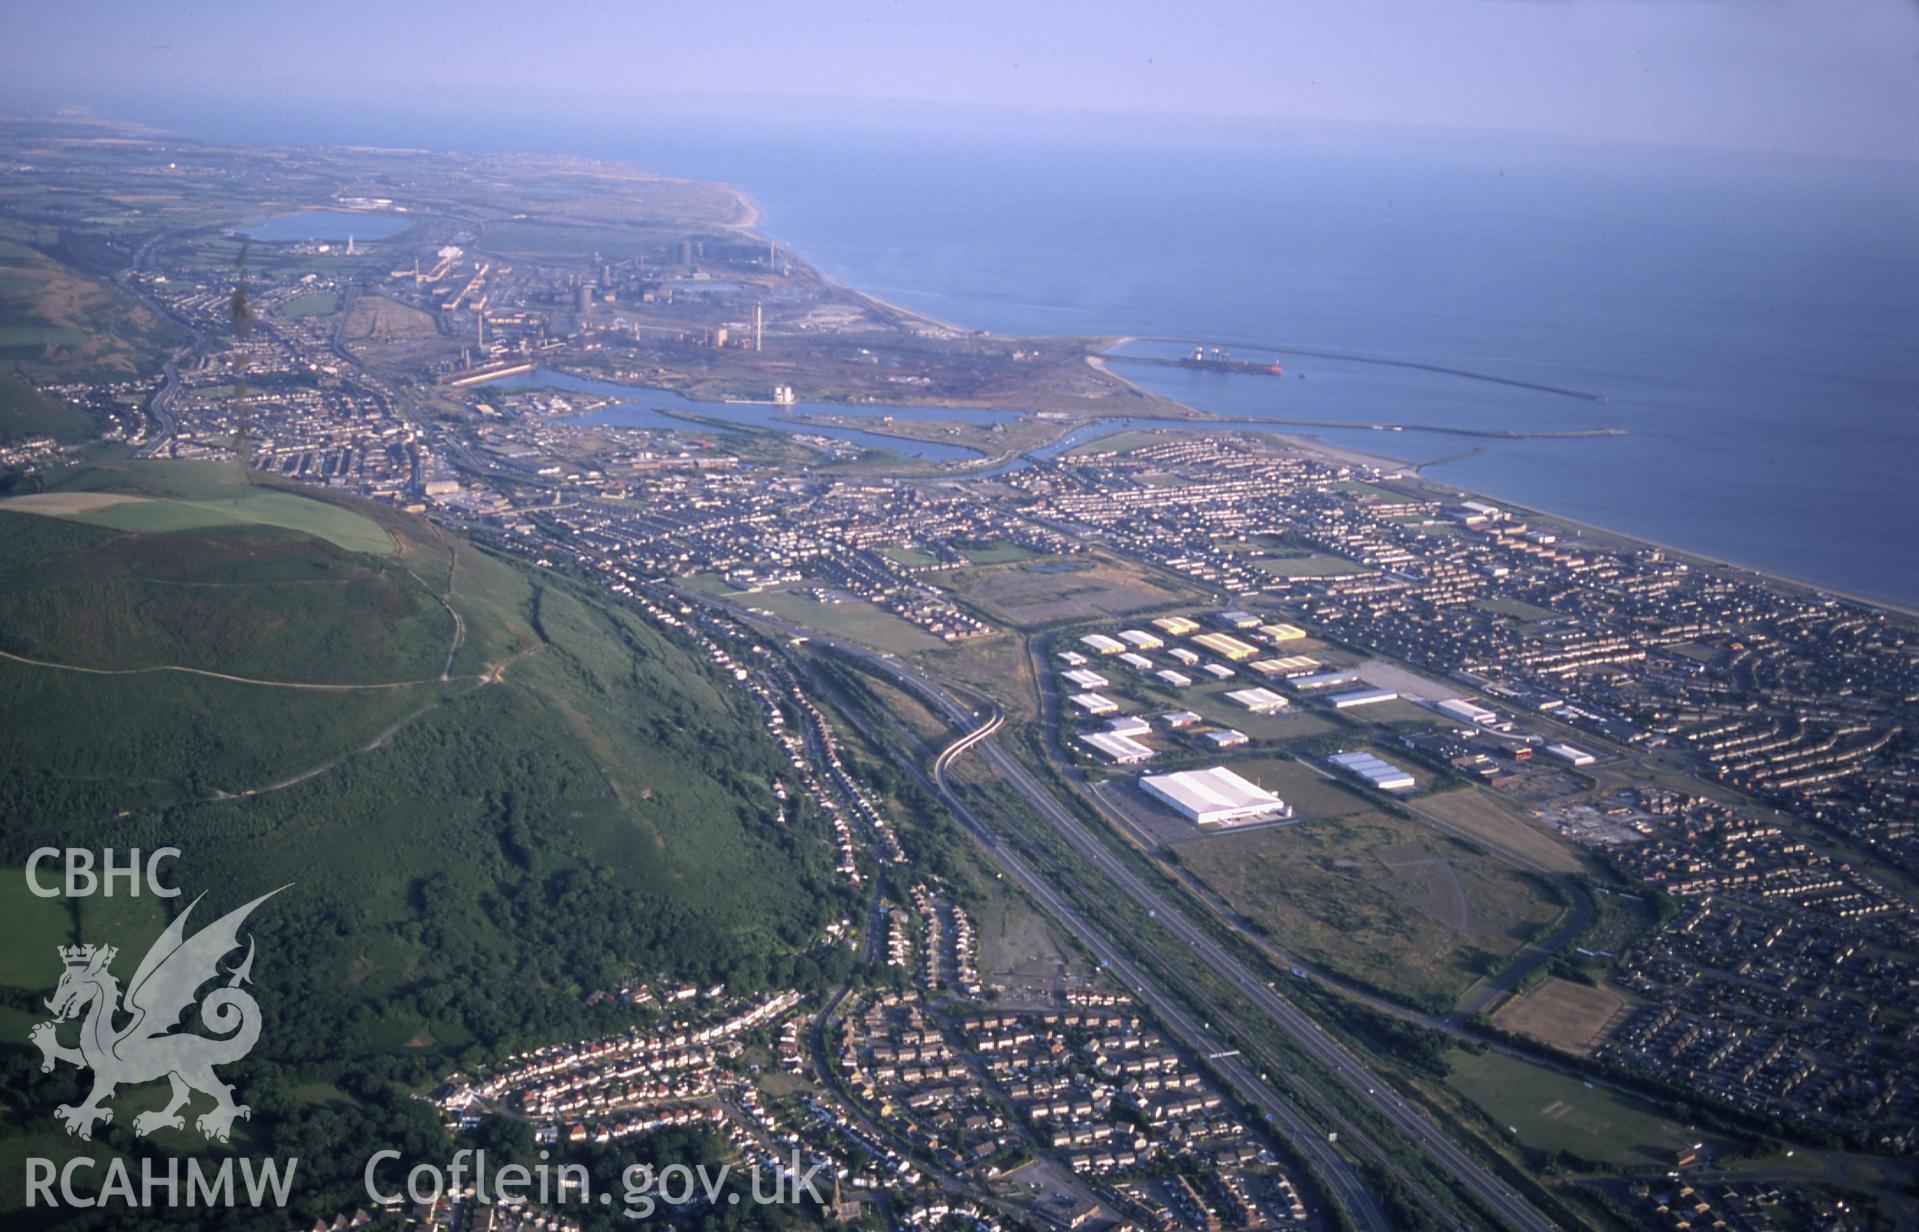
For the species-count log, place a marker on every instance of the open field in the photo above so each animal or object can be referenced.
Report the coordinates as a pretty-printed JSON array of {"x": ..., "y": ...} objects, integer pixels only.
[
  {"x": 1051, "y": 590},
  {"x": 996, "y": 665},
  {"x": 1561, "y": 1013},
  {"x": 1398, "y": 713},
  {"x": 312, "y": 304},
  {"x": 1380, "y": 898},
  {"x": 1119, "y": 443},
  {"x": 1489, "y": 820},
  {"x": 1552, "y": 1112},
  {"x": 910, "y": 557},
  {"x": 376, "y": 318},
  {"x": 853, "y": 619},
  {"x": 256, "y": 506},
  {"x": 1017, "y": 945},
  {"x": 65, "y": 504},
  {"x": 1311, "y": 565},
  {"x": 997, "y": 552}
]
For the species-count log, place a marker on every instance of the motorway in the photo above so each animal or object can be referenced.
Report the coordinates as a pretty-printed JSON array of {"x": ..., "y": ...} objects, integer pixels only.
[
  {"x": 1467, "y": 1172},
  {"x": 1349, "y": 1188}
]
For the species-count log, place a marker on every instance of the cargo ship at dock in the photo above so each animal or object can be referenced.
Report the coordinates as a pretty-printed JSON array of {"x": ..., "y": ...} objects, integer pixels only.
[
  {"x": 1220, "y": 360},
  {"x": 1203, "y": 359}
]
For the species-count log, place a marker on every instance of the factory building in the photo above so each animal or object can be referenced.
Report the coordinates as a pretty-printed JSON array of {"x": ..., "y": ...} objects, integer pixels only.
[
  {"x": 1466, "y": 712},
  {"x": 1286, "y": 666},
  {"x": 1118, "y": 749},
  {"x": 1571, "y": 755},
  {"x": 1099, "y": 643},
  {"x": 1176, "y": 626},
  {"x": 1361, "y": 697},
  {"x": 1084, "y": 680},
  {"x": 1237, "y": 620},
  {"x": 1227, "y": 646},
  {"x": 1323, "y": 680},
  {"x": 1381, "y": 774},
  {"x": 1282, "y": 632},
  {"x": 1215, "y": 797},
  {"x": 1094, "y": 703},
  {"x": 1259, "y": 701},
  {"x": 1139, "y": 639}
]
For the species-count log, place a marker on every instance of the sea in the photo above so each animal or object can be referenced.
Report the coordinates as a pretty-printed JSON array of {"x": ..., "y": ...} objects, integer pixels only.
[{"x": 1748, "y": 322}]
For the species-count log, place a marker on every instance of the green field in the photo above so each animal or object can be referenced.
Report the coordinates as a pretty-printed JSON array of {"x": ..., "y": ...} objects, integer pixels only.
[
  {"x": 196, "y": 495},
  {"x": 998, "y": 552},
  {"x": 854, "y": 619},
  {"x": 312, "y": 304},
  {"x": 1552, "y": 1112},
  {"x": 260, "y": 506},
  {"x": 1029, "y": 593},
  {"x": 1307, "y": 566},
  {"x": 1119, "y": 442},
  {"x": 1377, "y": 897},
  {"x": 911, "y": 557},
  {"x": 1385, "y": 496}
]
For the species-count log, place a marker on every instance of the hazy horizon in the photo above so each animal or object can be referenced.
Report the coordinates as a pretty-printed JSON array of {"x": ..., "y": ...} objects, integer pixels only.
[{"x": 1783, "y": 77}]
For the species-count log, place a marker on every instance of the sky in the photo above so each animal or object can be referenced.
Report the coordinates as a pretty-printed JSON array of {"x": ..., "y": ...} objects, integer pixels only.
[{"x": 1782, "y": 76}]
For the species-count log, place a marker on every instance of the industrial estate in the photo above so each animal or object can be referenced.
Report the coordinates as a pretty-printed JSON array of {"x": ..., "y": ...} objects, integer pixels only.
[{"x": 1181, "y": 828}]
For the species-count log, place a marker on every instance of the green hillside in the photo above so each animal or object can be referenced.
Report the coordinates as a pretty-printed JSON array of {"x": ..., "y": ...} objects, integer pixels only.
[
  {"x": 26, "y": 412},
  {"x": 495, "y": 790}
]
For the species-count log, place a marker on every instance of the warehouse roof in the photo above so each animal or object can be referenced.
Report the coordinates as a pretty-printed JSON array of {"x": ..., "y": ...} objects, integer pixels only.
[{"x": 1214, "y": 795}]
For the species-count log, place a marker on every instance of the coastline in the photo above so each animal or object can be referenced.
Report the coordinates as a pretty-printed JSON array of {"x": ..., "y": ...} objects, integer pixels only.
[
  {"x": 752, "y": 216},
  {"x": 1691, "y": 556}
]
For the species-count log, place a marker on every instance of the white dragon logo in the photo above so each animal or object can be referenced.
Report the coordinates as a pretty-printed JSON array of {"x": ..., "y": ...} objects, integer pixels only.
[{"x": 146, "y": 1048}]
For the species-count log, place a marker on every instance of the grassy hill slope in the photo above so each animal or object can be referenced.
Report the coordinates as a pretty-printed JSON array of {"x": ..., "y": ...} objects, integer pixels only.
[
  {"x": 26, "y": 412},
  {"x": 506, "y": 793}
]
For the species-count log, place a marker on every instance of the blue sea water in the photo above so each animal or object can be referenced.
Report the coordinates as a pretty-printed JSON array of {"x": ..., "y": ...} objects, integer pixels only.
[
  {"x": 1752, "y": 325},
  {"x": 1752, "y": 321}
]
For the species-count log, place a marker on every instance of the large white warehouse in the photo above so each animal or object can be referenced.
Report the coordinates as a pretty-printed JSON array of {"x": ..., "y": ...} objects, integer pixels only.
[
  {"x": 1215, "y": 797},
  {"x": 1382, "y": 774}
]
